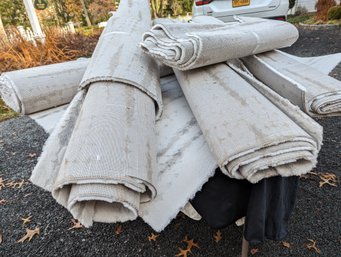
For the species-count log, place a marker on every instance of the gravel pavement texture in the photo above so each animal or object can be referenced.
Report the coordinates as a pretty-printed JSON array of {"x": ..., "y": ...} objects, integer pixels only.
[{"x": 316, "y": 215}]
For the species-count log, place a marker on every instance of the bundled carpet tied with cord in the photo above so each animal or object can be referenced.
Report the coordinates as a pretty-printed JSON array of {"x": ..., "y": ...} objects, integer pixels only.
[
  {"x": 100, "y": 160},
  {"x": 32, "y": 90},
  {"x": 187, "y": 46},
  {"x": 314, "y": 92}
]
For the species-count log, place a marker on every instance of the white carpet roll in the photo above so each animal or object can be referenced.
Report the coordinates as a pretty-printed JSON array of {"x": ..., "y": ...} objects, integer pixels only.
[
  {"x": 249, "y": 136},
  {"x": 35, "y": 89},
  {"x": 110, "y": 156},
  {"x": 191, "y": 45},
  {"x": 313, "y": 91},
  {"x": 106, "y": 169}
]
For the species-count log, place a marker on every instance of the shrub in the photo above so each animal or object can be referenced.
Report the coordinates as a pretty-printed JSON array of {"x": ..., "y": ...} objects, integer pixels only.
[
  {"x": 294, "y": 19},
  {"x": 334, "y": 13},
  {"x": 58, "y": 47},
  {"x": 322, "y": 7}
]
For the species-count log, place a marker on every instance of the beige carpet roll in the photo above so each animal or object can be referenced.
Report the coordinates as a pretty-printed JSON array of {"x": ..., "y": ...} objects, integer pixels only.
[
  {"x": 188, "y": 46},
  {"x": 35, "y": 89},
  {"x": 108, "y": 154},
  {"x": 184, "y": 161},
  {"x": 250, "y": 137},
  {"x": 314, "y": 92}
]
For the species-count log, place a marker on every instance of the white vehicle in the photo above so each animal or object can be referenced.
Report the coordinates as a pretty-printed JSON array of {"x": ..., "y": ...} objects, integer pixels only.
[{"x": 225, "y": 9}]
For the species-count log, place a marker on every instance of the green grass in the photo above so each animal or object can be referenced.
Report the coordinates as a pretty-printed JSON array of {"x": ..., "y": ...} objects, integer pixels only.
[
  {"x": 310, "y": 19},
  {"x": 295, "y": 19},
  {"x": 5, "y": 112}
]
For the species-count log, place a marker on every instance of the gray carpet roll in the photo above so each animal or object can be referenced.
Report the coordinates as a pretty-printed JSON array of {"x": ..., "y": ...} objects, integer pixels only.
[
  {"x": 108, "y": 154},
  {"x": 313, "y": 91},
  {"x": 250, "y": 137},
  {"x": 35, "y": 89},
  {"x": 188, "y": 46}
]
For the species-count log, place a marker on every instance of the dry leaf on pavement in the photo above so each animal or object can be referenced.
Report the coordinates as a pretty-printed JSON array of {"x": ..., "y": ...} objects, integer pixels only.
[
  {"x": 32, "y": 155},
  {"x": 153, "y": 237},
  {"x": 15, "y": 184},
  {"x": 253, "y": 251},
  {"x": 28, "y": 194},
  {"x": 118, "y": 229},
  {"x": 328, "y": 178},
  {"x": 1, "y": 238},
  {"x": 286, "y": 244},
  {"x": 26, "y": 220},
  {"x": 76, "y": 224},
  {"x": 3, "y": 201},
  {"x": 217, "y": 236},
  {"x": 2, "y": 183},
  {"x": 312, "y": 246},
  {"x": 190, "y": 243},
  {"x": 29, "y": 235},
  {"x": 183, "y": 252}
]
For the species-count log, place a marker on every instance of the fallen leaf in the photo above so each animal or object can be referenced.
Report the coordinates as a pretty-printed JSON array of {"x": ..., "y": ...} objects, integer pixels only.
[
  {"x": 15, "y": 184},
  {"x": 29, "y": 235},
  {"x": 1, "y": 238},
  {"x": 76, "y": 224},
  {"x": 26, "y": 220},
  {"x": 2, "y": 183},
  {"x": 190, "y": 243},
  {"x": 312, "y": 173},
  {"x": 28, "y": 194},
  {"x": 118, "y": 229},
  {"x": 286, "y": 244},
  {"x": 312, "y": 246},
  {"x": 152, "y": 237},
  {"x": 328, "y": 178},
  {"x": 217, "y": 236},
  {"x": 3, "y": 201},
  {"x": 253, "y": 251},
  {"x": 183, "y": 252},
  {"x": 32, "y": 155}
]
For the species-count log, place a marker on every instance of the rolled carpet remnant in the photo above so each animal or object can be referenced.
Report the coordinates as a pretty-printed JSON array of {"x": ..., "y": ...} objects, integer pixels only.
[
  {"x": 250, "y": 137},
  {"x": 35, "y": 89},
  {"x": 314, "y": 92},
  {"x": 49, "y": 118},
  {"x": 184, "y": 161},
  {"x": 323, "y": 63},
  {"x": 191, "y": 45},
  {"x": 103, "y": 164}
]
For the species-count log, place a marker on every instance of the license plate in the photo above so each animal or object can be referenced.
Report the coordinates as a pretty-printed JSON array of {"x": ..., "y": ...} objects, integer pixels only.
[{"x": 239, "y": 3}]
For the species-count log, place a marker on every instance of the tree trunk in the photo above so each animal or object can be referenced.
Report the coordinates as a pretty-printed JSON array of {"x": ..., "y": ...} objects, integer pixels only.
[{"x": 86, "y": 14}]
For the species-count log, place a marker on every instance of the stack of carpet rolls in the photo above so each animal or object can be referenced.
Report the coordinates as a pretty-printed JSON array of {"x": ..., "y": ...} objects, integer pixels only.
[{"x": 129, "y": 138}]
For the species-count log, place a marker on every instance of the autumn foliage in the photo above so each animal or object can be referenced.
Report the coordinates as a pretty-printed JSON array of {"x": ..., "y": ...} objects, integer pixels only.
[
  {"x": 58, "y": 47},
  {"x": 322, "y": 7}
]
